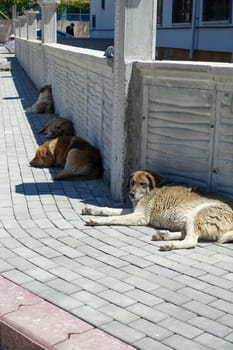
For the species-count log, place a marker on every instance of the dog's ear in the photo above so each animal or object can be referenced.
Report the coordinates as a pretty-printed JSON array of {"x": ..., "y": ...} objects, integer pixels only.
[
  {"x": 130, "y": 177},
  {"x": 152, "y": 180},
  {"x": 43, "y": 152}
]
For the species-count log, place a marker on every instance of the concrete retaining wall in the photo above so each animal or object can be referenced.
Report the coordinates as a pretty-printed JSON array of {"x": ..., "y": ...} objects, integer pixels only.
[
  {"x": 81, "y": 82},
  {"x": 179, "y": 118}
]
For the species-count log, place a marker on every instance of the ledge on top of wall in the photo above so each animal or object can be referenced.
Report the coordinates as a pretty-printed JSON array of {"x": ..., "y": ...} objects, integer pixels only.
[{"x": 200, "y": 66}]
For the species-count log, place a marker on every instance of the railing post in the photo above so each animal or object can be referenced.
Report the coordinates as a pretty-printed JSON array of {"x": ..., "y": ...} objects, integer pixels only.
[
  {"x": 134, "y": 39},
  {"x": 31, "y": 24},
  {"x": 49, "y": 20},
  {"x": 22, "y": 26}
]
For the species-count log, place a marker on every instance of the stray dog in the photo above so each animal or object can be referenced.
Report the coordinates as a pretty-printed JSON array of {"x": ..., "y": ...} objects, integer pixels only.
[
  {"x": 44, "y": 103},
  {"x": 188, "y": 214},
  {"x": 56, "y": 127},
  {"x": 140, "y": 183},
  {"x": 81, "y": 160}
]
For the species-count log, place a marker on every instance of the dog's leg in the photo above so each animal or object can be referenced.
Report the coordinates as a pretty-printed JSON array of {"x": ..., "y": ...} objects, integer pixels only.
[
  {"x": 188, "y": 242},
  {"x": 133, "y": 219},
  {"x": 226, "y": 237},
  {"x": 165, "y": 235},
  {"x": 41, "y": 131},
  {"x": 104, "y": 211}
]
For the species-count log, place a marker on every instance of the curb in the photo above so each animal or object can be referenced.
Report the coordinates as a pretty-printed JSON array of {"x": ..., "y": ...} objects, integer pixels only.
[{"x": 28, "y": 322}]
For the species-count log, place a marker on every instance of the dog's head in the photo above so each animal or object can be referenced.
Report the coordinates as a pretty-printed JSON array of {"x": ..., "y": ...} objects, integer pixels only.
[
  {"x": 59, "y": 127},
  {"x": 141, "y": 182},
  {"x": 46, "y": 88},
  {"x": 44, "y": 156}
]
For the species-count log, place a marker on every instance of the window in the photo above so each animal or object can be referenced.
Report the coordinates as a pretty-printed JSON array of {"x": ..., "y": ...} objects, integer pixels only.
[
  {"x": 159, "y": 11},
  {"x": 103, "y": 4},
  {"x": 216, "y": 10},
  {"x": 182, "y": 11},
  {"x": 93, "y": 21}
]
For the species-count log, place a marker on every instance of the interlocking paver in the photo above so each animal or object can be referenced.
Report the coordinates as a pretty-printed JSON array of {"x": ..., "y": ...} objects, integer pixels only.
[{"x": 113, "y": 277}]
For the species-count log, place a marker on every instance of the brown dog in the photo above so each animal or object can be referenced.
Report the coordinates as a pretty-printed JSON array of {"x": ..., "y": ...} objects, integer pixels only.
[
  {"x": 140, "y": 183},
  {"x": 44, "y": 103},
  {"x": 81, "y": 160},
  {"x": 56, "y": 127}
]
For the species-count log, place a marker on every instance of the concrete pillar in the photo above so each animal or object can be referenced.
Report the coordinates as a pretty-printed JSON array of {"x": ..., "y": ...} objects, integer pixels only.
[
  {"x": 134, "y": 39},
  {"x": 49, "y": 20},
  {"x": 31, "y": 24},
  {"x": 17, "y": 27},
  {"x": 13, "y": 9},
  {"x": 22, "y": 27}
]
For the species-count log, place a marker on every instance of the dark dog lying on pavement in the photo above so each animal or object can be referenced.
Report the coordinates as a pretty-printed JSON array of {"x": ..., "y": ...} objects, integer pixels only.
[
  {"x": 56, "y": 127},
  {"x": 81, "y": 160}
]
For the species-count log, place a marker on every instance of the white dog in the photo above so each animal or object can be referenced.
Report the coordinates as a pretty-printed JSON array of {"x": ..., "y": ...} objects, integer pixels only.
[{"x": 187, "y": 213}]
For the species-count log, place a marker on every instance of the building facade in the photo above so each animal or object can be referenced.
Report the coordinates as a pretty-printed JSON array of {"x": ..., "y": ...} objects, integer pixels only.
[
  {"x": 102, "y": 19},
  {"x": 186, "y": 29}
]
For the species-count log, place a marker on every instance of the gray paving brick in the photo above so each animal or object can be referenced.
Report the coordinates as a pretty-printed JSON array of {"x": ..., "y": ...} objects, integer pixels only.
[
  {"x": 91, "y": 315},
  {"x": 114, "y": 272},
  {"x": 123, "y": 332},
  {"x": 151, "y": 344},
  {"x": 197, "y": 295},
  {"x": 43, "y": 262},
  {"x": 116, "y": 298},
  {"x": 89, "y": 299},
  {"x": 63, "y": 286},
  {"x": 39, "y": 274},
  {"x": 21, "y": 263},
  {"x": 220, "y": 293},
  {"x": 203, "y": 309},
  {"x": 150, "y": 329},
  {"x": 64, "y": 273},
  {"x": 192, "y": 282},
  {"x": 223, "y": 306},
  {"x": 147, "y": 312},
  {"x": 170, "y": 296},
  {"x": 118, "y": 314},
  {"x": 178, "y": 342},
  {"x": 143, "y": 297},
  {"x": 5, "y": 266},
  {"x": 87, "y": 284},
  {"x": 213, "y": 342},
  {"x": 175, "y": 311},
  {"x": 16, "y": 276},
  {"x": 115, "y": 284},
  {"x": 181, "y": 328},
  {"x": 141, "y": 283},
  {"x": 210, "y": 326},
  {"x": 227, "y": 320}
]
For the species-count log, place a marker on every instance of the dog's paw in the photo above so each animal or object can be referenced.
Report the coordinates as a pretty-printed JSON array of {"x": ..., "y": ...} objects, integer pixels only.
[
  {"x": 90, "y": 222},
  {"x": 86, "y": 211},
  {"x": 160, "y": 235},
  {"x": 167, "y": 246}
]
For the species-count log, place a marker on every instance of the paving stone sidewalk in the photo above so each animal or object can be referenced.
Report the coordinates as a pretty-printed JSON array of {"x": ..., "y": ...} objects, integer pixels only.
[{"x": 114, "y": 278}]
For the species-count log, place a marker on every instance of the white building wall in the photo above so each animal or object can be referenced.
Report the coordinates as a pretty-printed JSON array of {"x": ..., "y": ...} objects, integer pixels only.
[{"x": 104, "y": 19}]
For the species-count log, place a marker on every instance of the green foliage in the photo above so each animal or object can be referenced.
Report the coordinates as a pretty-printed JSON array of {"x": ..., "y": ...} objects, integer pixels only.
[
  {"x": 84, "y": 5},
  {"x": 6, "y": 6}
]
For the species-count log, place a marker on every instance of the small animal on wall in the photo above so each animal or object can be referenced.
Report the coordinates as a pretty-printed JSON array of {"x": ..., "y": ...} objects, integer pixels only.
[
  {"x": 181, "y": 214},
  {"x": 57, "y": 126},
  {"x": 44, "y": 103},
  {"x": 78, "y": 158}
]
